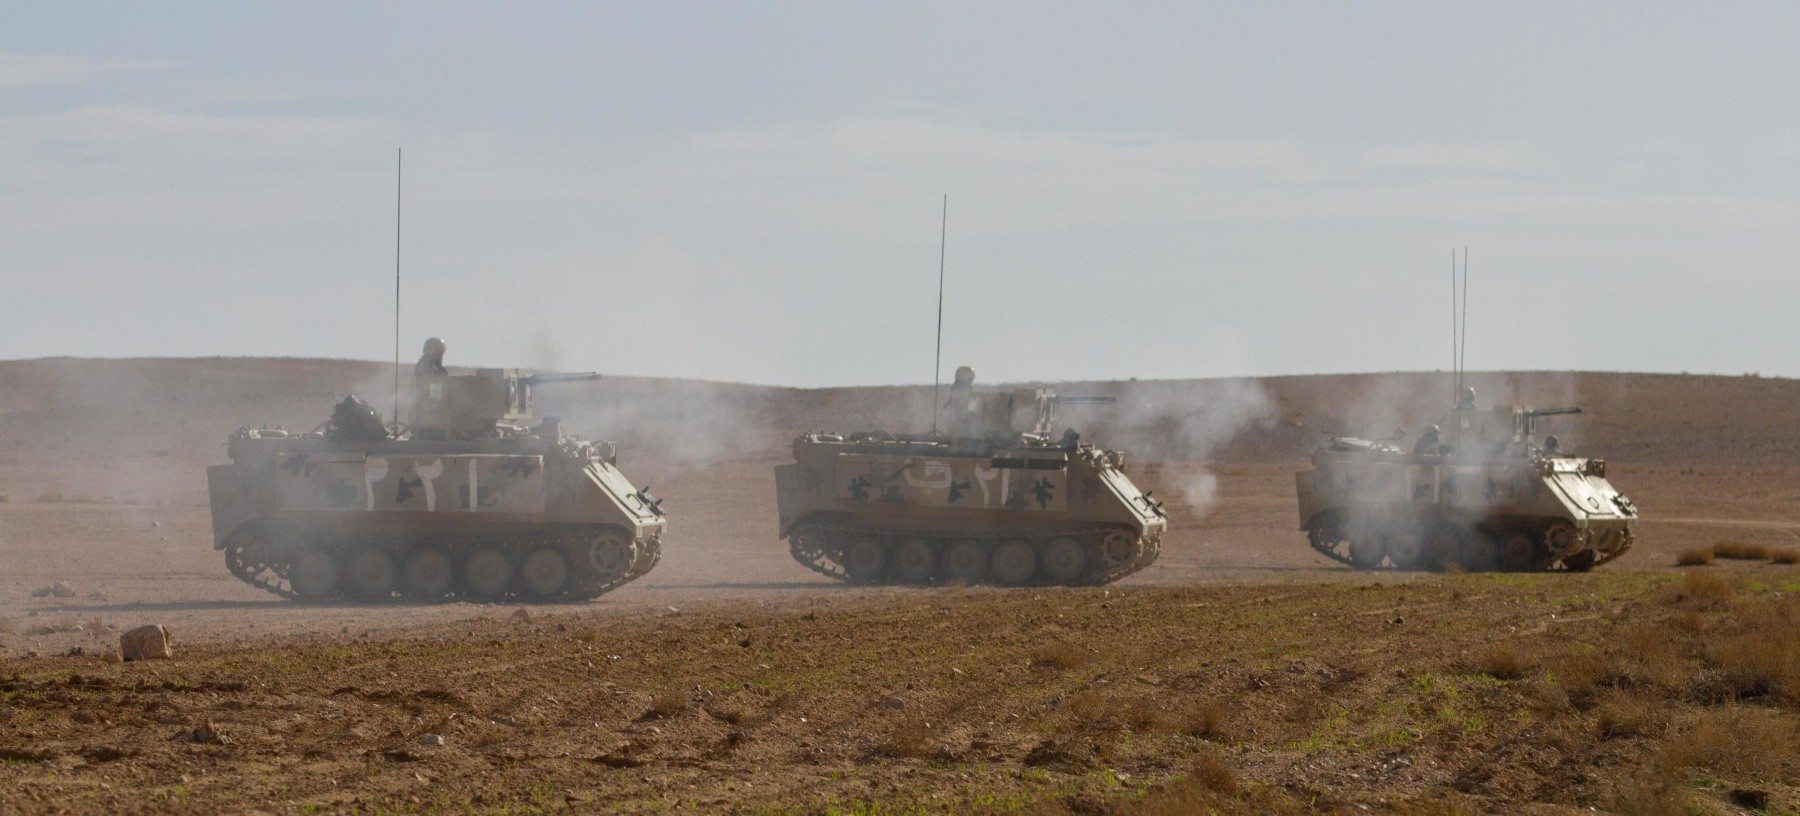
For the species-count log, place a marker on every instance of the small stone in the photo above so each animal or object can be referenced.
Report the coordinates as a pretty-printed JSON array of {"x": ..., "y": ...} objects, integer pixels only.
[
  {"x": 146, "y": 643},
  {"x": 75, "y": 651},
  {"x": 155, "y": 524},
  {"x": 96, "y": 596},
  {"x": 521, "y": 614},
  {"x": 432, "y": 739},
  {"x": 62, "y": 590}
]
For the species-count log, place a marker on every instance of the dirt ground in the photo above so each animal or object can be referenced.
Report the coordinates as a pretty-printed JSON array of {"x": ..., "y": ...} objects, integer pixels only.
[{"x": 787, "y": 693}]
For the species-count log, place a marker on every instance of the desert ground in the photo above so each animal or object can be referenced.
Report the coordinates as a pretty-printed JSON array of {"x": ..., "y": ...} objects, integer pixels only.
[{"x": 1240, "y": 673}]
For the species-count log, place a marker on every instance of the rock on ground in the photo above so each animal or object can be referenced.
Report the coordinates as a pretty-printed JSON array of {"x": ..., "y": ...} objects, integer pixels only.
[{"x": 146, "y": 643}]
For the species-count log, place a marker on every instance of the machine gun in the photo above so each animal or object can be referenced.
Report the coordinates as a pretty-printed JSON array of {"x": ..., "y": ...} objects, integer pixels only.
[
  {"x": 551, "y": 379},
  {"x": 1528, "y": 419}
]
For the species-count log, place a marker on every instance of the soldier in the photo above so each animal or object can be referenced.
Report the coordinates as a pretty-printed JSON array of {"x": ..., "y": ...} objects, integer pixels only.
[
  {"x": 1428, "y": 442},
  {"x": 1466, "y": 410},
  {"x": 965, "y": 408},
  {"x": 432, "y": 361}
]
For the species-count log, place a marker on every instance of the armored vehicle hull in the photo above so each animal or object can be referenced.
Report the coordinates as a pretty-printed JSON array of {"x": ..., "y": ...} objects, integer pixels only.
[
  {"x": 1366, "y": 504},
  {"x": 877, "y": 508},
  {"x": 481, "y": 511}
]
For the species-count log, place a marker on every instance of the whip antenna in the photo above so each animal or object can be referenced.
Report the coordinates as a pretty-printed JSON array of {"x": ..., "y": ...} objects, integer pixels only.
[
  {"x": 937, "y": 363},
  {"x": 398, "y": 166},
  {"x": 1455, "y": 344},
  {"x": 1462, "y": 358}
]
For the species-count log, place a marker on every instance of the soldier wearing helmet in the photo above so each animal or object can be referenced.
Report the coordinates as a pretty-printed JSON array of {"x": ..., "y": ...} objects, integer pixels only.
[
  {"x": 432, "y": 361},
  {"x": 965, "y": 407}
]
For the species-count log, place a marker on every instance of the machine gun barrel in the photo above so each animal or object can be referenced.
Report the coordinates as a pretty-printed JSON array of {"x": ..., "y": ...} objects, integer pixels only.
[
  {"x": 1544, "y": 412},
  {"x": 1079, "y": 400},
  {"x": 545, "y": 379}
]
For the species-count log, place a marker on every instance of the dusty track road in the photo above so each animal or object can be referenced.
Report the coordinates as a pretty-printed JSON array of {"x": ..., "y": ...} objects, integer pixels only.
[{"x": 1443, "y": 695}]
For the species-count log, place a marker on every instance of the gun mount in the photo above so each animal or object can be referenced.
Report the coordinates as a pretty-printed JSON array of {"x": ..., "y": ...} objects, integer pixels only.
[{"x": 477, "y": 405}]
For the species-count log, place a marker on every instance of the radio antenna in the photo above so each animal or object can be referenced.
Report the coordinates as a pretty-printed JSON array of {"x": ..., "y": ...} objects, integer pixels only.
[
  {"x": 937, "y": 362},
  {"x": 398, "y": 167},
  {"x": 1455, "y": 343},
  {"x": 1462, "y": 359}
]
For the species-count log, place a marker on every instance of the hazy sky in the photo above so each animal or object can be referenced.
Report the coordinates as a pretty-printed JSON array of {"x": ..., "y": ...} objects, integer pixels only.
[{"x": 751, "y": 192}]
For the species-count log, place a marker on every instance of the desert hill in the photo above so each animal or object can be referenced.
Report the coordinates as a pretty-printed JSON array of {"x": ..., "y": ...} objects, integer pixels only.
[{"x": 141, "y": 429}]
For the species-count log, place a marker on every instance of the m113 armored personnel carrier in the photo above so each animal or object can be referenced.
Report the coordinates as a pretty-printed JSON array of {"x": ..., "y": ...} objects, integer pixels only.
[
  {"x": 1482, "y": 495},
  {"x": 466, "y": 501},
  {"x": 996, "y": 499}
]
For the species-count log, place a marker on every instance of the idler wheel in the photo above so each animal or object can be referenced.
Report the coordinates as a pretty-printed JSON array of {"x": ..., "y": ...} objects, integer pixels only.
[
  {"x": 965, "y": 562},
  {"x": 429, "y": 574},
  {"x": 1063, "y": 560},
  {"x": 915, "y": 561},
  {"x": 864, "y": 560},
  {"x": 1014, "y": 563},
  {"x": 372, "y": 575},
  {"x": 487, "y": 573},
  {"x": 544, "y": 573},
  {"x": 315, "y": 575},
  {"x": 1366, "y": 551}
]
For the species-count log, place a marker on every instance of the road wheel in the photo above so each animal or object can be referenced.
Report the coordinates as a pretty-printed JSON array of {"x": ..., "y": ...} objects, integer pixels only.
[
  {"x": 371, "y": 575},
  {"x": 1014, "y": 563},
  {"x": 1064, "y": 560},
  {"x": 1480, "y": 552},
  {"x": 1520, "y": 553},
  {"x": 1405, "y": 550},
  {"x": 915, "y": 561},
  {"x": 864, "y": 560},
  {"x": 1443, "y": 547},
  {"x": 487, "y": 573},
  {"x": 429, "y": 574},
  {"x": 315, "y": 575},
  {"x": 1366, "y": 551},
  {"x": 965, "y": 562},
  {"x": 544, "y": 573}
]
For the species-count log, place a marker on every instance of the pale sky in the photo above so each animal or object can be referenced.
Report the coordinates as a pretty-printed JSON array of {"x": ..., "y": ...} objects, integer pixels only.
[{"x": 751, "y": 192}]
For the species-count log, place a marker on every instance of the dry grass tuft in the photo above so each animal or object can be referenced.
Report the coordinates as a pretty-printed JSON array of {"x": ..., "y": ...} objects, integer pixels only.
[
  {"x": 1203, "y": 720},
  {"x": 1200, "y": 791},
  {"x": 1057, "y": 655},
  {"x": 1745, "y": 742},
  {"x": 1702, "y": 590},
  {"x": 1741, "y": 551},
  {"x": 1504, "y": 661},
  {"x": 1696, "y": 557},
  {"x": 1692, "y": 623},
  {"x": 913, "y": 738},
  {"x": 1649, "y": 658},
  {"x": 665, "y": 704},
  {"x": 1762, "y": 659},
  {"x": 1630, "y": 715},
  {"x": 1786, "y": 556}
]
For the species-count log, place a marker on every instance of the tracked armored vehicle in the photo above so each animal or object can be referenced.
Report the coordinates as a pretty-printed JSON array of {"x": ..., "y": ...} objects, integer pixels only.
[
  {"x": 995, "y": 500},
  {"x": 465, "y": 502},
  {"x": 1485, "y": 496}
]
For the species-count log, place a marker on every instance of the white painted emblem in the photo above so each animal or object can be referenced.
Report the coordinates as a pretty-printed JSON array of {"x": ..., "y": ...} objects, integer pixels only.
[
  {"x": 374, "y": 470},
  {"x": 427, "y": 471}
]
